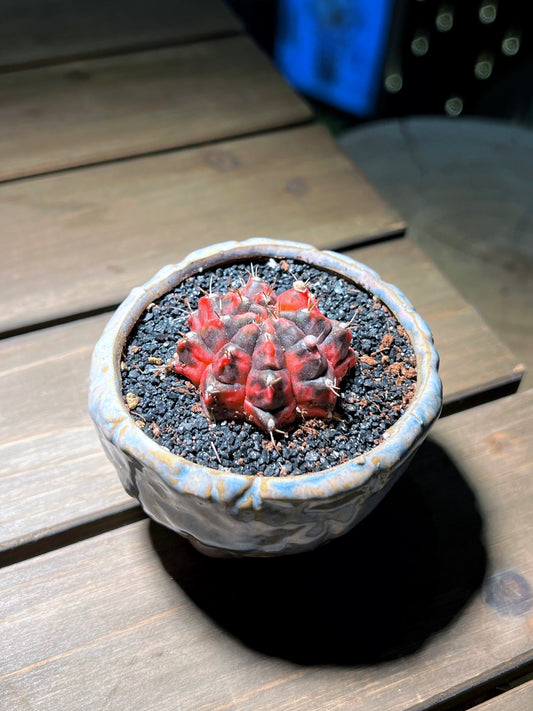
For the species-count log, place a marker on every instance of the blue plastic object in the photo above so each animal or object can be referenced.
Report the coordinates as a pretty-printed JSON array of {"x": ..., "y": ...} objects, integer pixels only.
[{"x": 333, "y": 50}]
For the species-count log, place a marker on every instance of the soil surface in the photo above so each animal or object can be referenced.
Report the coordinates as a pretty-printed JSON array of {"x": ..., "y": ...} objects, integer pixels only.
[{"x": 374, "y": 394}]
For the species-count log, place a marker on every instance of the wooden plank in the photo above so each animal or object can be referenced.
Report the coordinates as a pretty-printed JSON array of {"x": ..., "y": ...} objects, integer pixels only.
[
  {"x": 45, "y": 376},
  {"x": 473, "y": 359},
  {"x": 135, "y": 618},
  {"x": 45, "y": 31},
  {"x": 91, "y": 111},
  {"x": 465, "y": 192},
  {"x": 518, "y": 699},
  {"x": 80, "y": 240},
  {"x": 53, "y": 474}
]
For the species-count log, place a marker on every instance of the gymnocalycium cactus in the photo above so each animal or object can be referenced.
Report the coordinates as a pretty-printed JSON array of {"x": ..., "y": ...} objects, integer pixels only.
[{"x": 264, "y": 357}]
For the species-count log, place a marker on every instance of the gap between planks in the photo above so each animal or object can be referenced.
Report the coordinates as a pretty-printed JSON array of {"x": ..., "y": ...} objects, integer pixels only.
[
  {"x": 98, "y": 524},
  {"x": 94, "y": 223},
  {"x": 35, "y": 33},
  {"x": 93, "y": 112},
  {"x": 484, "y": 691},
  {"x": 73, "y": 534},
  {"x": 121, "y": 51},
  {"x": 293, "y": 125},
  {"x": 386, "y": 236}
]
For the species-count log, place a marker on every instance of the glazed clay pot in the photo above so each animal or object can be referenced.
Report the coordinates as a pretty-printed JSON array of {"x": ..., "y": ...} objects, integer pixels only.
[{"x": 225, "y": 513}]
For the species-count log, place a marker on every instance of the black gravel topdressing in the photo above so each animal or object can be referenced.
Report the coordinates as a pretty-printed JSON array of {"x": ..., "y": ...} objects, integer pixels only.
[{"x": 375, "y": 393}]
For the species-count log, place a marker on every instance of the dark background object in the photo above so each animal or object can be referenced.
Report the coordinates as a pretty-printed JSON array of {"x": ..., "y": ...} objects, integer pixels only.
[
  {"x": 443, "y": 57},
  {"x": 458, "y": 57}
]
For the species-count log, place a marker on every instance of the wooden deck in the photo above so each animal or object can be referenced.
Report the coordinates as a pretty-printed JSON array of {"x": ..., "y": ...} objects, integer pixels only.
[{"x": 125, "y": 145}]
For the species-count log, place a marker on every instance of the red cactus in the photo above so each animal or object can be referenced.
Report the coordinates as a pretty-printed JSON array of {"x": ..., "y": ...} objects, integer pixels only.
[{"x": 262, "y": 357}]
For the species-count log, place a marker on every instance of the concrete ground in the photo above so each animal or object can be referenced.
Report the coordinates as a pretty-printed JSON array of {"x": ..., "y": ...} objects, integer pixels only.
[{"x": 465, "y": 188}]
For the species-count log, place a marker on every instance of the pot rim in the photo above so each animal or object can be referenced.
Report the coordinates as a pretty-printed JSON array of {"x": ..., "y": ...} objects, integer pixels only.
[{"x": 114, "y": 421}]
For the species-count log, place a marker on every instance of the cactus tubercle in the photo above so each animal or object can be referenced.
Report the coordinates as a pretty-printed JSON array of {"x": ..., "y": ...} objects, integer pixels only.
[{"x": 264, "y": 357}]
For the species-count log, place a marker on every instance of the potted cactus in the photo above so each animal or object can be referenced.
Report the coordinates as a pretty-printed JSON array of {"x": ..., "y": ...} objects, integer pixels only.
[{"x": 232, "y": 394}]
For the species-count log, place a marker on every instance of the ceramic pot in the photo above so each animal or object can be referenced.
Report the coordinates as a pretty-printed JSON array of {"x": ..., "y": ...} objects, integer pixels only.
[{"x": 224, "y": 513}]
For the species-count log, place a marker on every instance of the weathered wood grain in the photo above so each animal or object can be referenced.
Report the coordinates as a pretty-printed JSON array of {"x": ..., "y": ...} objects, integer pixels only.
[
  {"x": 97, "y": 110},
  {"x": 45, "y": 31},
  {"x": 95, "y": 233},
  {"x": 47, "y": 436},
  {"x": 135, "y": 618},
  {"x": 518, "y": 699},
  {"x": 53, "y": 472},
  {"x": 468, "y": 347}
]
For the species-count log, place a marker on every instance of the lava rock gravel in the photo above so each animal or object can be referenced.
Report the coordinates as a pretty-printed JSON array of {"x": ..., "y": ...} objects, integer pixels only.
[{"x": 375, "y": 393}]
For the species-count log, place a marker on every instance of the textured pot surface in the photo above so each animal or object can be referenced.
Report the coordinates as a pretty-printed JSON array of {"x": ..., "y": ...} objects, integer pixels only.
[{"x": 225, "y": 513}]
